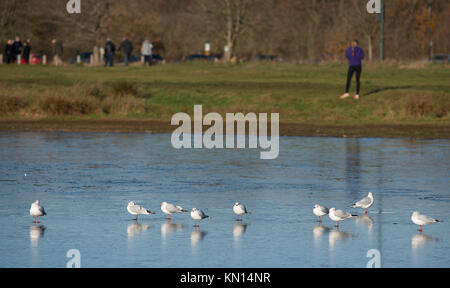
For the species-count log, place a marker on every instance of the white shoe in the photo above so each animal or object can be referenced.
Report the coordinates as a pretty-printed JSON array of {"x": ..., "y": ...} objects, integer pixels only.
[
  {"x": 346, "y": 95},
  {"x": 356, "y": 97}
]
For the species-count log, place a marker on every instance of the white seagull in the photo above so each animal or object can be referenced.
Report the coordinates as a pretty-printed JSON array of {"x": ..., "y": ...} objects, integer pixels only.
[
  {"x": 37, "y": 210},
  {"x": 137, "y": 210},
  {"x": 198, "y": 215},
  {"x": 365, "y": 202},
  {"x": 169, "y": 209},
  {"x": 422, "y": 220},
  {"x": 320, "y": 211},
  {"x": 339, "y": 215},
  {"x": 239, "y": 209}
]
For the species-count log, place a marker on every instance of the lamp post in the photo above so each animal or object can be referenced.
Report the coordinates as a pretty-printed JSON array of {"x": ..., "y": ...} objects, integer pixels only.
[
  {"x": 430, "y": 24},
  {"x": 382, "y": 31}
]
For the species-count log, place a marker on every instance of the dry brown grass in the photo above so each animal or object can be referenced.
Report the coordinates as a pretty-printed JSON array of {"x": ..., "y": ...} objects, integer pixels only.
[
  {"x": 11, "y": 103},
  {"x": 123, "y": 105},
  {"x": 123, "y": 88},
  {"x": 426, "y": 105},
  {"x": 75, "y": 101},
  {"x": 55, "y": 104}
]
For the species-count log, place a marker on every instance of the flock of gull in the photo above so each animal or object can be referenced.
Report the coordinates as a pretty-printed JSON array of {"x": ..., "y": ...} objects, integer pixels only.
[
  {"x": 239, "y": 209},
  {"x": 365, "y": 203},
  {"x": 37, "y": 211}
]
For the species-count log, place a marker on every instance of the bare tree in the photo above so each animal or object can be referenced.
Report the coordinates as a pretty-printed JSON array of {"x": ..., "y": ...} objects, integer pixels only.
[
  {"x": 228, "y": 18},
  {"x": 365, "y": 23},
  {"x": 293, "y": 29},
  {"x": 8, "y": 11}
]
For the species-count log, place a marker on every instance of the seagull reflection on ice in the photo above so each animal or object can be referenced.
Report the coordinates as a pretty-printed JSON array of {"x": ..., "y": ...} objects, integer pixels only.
[
  {"x": 36, "y": 232},
  {"x": 335, "y": 237},
  {"x": 365, "y": 220},
  {"x": 319, "y": 231},
  {"x": 135, "y": 228},
  {"x": 169, "y": 228},
  {"x": 197, "y": 236},
  {"x": 420, "y": 240},
  {"x": 239, "y": 230}
]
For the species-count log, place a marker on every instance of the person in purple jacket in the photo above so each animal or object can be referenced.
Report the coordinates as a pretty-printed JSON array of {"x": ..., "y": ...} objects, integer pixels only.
[{"x": 354, "y": 55}]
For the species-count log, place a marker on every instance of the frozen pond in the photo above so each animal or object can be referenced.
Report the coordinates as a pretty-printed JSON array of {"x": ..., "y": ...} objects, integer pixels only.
[{"x": 85, "y": 180}]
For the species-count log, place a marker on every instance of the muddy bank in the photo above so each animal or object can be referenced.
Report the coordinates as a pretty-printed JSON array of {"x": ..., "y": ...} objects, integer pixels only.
[{"x": 427, "y": 131}]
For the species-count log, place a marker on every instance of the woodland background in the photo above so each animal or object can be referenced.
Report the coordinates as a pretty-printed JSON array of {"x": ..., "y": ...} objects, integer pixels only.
[{"x": 295, "y": 30}]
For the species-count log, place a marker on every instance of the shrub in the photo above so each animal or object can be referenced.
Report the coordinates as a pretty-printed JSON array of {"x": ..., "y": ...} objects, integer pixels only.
[
  {"x": 123, "y": 105},
  {"x": 95, "y": 91},
  {"x": 59, "y": 105},
  {"x": 419, "y": 106},
  {"x": 11, "y": 103},
  {"x": 122, "y": 88}
]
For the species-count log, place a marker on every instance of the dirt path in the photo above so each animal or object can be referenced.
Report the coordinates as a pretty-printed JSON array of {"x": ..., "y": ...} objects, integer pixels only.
[{"x": 427, "y": 131}]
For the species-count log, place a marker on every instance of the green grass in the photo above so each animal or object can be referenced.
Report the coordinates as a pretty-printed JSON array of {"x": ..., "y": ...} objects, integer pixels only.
[{"x": 301, "y": 94}]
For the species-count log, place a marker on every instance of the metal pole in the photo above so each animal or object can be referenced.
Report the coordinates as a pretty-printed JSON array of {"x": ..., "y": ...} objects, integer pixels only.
[
  {"x": 382, "y": 32},
  {"x": 430, "y": 19}
]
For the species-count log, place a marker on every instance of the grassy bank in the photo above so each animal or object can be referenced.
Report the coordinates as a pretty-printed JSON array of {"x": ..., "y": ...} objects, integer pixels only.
[{"x": 305, "y": 96}]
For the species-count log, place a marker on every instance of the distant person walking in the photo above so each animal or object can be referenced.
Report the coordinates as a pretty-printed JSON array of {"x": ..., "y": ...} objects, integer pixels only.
[
  {"x": 26, "y": 52},
  {"x": 57, "y": 49},
  {"x": 17, "y": 48},
  {"x": 126, "y": 48},
  {"x": 146, "y": 51},
  {"x": 354, "y": 55},
  {"x": 9, "y": 54},
  {"x": 110, "y": 51}
]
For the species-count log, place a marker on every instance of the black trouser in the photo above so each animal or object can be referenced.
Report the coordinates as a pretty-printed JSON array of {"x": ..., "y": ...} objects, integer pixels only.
[
  {"x": 351, "y": 70},
  {"x": 126, "y": 57},
  {"x": 109, "y": 59},
  {"x": 148, "y": 59}
]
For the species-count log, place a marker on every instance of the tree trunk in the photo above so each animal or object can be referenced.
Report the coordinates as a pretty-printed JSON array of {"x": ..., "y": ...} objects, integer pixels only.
[
  {"x": 370, "y": 48},
  {"x": 229, "y": 32}
]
